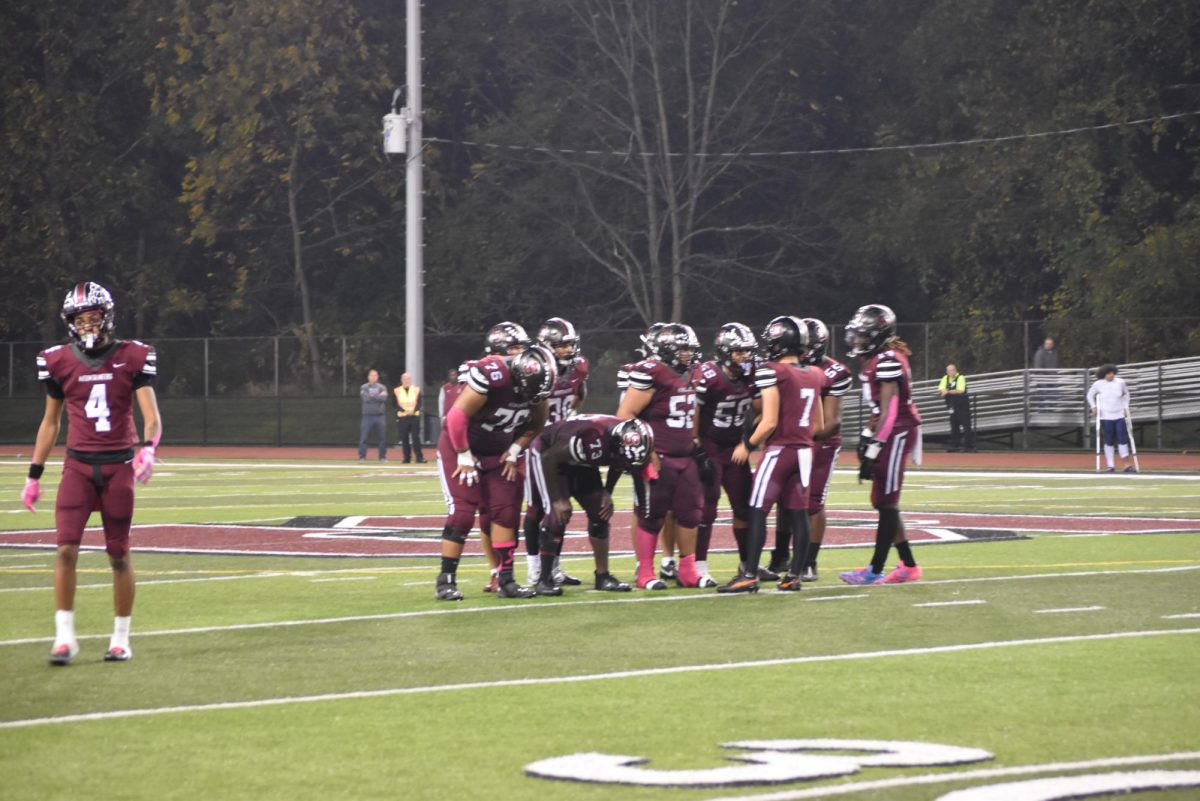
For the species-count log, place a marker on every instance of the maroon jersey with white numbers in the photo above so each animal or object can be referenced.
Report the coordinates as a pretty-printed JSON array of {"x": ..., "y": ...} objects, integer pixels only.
[
  {"x": 493, "y": 429},
  {"x": 586, "y": 436},
  {"x": 835, "y": 381},
  {"x": 98, "y": 391},
  {"x": 670, "y": 411},
  {"x": 799, "y": 390},
  {"x": 570, "y": 386},
  {"x": 889, "y": 365},
  {"x": 723, "y": 403}
]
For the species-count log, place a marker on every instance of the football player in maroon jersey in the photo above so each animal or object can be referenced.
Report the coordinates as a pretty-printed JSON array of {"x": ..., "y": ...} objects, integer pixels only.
[
  {"x": 567, "y": 397},
  {"x": 661, "y": 393},
  {"x": 502, "y": 339},
  {"x": 97, "y": 378},
  {"x": 890, "y": 438},
  {"x": 499, "y": 412},
  {"x": 724, "y": 393},
  {"x": 791, "y": 413},
  {"x": 564, "y": 463},
  {"x": 835, "y": 383}
]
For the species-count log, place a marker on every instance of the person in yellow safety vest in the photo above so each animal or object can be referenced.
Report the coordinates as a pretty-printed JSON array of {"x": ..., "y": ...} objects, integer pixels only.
[
  {"x": 408, "y": 398},
  {"x": 953, "y": 389}
]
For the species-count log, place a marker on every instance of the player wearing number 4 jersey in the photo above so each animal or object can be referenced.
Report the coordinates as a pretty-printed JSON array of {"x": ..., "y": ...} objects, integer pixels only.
[
  {"x": 791, "y": 412},
  {"x": 500, "y": 410},
  {"x": 889, "y": 440},
  {"x": 96, "y": 377}
]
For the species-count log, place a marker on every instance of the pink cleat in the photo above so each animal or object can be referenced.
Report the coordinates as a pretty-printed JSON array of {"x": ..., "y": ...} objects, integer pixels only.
[
  {"x": 901, "y": 574},
  {"x": 863, "y": 576}
]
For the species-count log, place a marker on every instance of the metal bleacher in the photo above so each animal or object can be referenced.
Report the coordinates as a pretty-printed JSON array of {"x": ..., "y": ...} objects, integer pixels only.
[{"x": 1014, "y": 401}]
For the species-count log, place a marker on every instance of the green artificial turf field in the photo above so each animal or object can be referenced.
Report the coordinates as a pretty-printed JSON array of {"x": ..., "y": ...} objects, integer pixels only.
[{"x": 1057, "y": 654}]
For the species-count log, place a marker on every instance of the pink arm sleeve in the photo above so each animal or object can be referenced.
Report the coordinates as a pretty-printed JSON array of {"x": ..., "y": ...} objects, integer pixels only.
[
  {"x": 885, "y": 428},
  {"x": 456, "y": 428}
]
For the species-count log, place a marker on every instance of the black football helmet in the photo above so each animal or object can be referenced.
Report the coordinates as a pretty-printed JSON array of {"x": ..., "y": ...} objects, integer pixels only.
[
  {"x": 870, "y": 329},
  {"x": 505, "y": 339},
  {"x": 785, "y": 336},
  {"x": 648, "y": 350},
  {"x": 556, "y": 333},
  {"x": 89, "y": 296},
  {"x": 534, "y": 373},
  {"x": 818, "y": 339},
  {"x": 673, "y": 340},
  {"x": 733, "y": 337},
  {"x": 631, "y": 442}
]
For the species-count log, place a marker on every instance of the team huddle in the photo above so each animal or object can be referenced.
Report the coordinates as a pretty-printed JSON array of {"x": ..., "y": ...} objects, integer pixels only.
[
  {"x": 684, "y": 430},
  {"x": 515, "y": 435}
]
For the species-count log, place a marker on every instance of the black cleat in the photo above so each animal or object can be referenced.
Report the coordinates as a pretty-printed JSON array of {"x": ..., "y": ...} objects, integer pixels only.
[
  {"x": 511, "y": 589},
  {"x": 742, "y": 583},
  {"x": 607, "y": 582},
  {"x": 809, "y": 574},
  {"x": 789, "y": 583},
  {"x": 447, "y": 589},
  {"x": 546, "y": 588},
  {"x": 562, "y": 577},
  {"x": 668, "y": 571},
  {"x": 779, "y": 564},
  {"x": 767, "y": 574}
]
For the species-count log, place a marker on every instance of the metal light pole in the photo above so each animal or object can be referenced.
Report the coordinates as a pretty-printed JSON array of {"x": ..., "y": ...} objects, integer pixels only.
[{"x": 414, "y": 237}]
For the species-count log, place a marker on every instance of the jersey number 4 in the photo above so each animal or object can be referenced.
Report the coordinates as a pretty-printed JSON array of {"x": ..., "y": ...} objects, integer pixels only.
[{"x": 96, "y": 407}]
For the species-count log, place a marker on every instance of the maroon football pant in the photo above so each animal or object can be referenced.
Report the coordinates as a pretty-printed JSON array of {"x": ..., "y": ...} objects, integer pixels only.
[
  {"x": 783, "y": 476},
  {"x": 677, "y": 490},
  {"x": 824, "y": 460},
  {"x": 87, "y": 488},
  {"x": 735, "y": 479},
  {"x": 888, "y": 477},
  {"x": 492, "y": 495}
]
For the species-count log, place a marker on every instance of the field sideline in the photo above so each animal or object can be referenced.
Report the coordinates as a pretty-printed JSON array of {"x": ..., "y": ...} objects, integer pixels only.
[{"x": 1054, "y": 641}]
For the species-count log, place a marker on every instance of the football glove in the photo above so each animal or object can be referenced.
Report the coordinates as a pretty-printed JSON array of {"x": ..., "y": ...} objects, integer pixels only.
[
  {"x": 869, "y": 449},
  {"x": 32, "y": 493},
  {"x": 143, "y": 464},
  {"x": 468, "y": 468},
  {"x": 708, "y": 472}
]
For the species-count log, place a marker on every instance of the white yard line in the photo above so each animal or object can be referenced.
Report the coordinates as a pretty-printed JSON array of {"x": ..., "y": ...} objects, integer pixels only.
[
  {"x": 589, "y": 677},
  {"x": 839, "y": 597},
  {"x": 108, "y": 586},
  {"x": 1068, "y": 609},
  {"x": 961, "y": 775},
  {"x": 949, "y": 603},
  {"x": 344, "y": 578},
  {"x": 647, "y": 598},
  {"x": 1185, "y": 616}
]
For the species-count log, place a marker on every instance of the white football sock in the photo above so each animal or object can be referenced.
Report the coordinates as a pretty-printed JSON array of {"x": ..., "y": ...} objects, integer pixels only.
[
  {"x": 1123, "y": 450},
  {"x": 64, "y": 626},
  {"x": 120, "y": 636},
  {"x": 1108, "y": 454}
]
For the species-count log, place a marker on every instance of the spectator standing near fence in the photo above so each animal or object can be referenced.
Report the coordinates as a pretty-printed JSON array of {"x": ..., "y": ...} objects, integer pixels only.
[
  {"x": 953, "y": 389},
  {"x": 1109, "y": 398},
  {"x": 408, "y": 398},
  {"x": 1045, "y": 358},
  {"x": 374, "y": 408}
]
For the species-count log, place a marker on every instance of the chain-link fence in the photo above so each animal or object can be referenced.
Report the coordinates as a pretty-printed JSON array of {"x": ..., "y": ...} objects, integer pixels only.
[{"x": 296, "y": 391}]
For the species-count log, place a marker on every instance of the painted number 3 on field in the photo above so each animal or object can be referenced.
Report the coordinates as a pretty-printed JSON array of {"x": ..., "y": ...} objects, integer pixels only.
[{"x": 789, "y": 761}]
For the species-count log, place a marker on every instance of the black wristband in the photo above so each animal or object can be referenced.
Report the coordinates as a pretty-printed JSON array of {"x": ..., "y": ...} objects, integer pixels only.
[
  {"x": 36, "y": 470},
  {"x": 750, "y": 446}
]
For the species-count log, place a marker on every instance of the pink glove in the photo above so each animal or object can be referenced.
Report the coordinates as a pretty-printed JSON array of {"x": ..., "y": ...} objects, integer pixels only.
[
  {"x": 32, "y": 493},
  {"x": 143, "y": 464}
]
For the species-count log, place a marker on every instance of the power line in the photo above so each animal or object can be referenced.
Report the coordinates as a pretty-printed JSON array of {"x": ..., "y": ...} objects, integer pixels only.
[{"x": 824, "y": 151}]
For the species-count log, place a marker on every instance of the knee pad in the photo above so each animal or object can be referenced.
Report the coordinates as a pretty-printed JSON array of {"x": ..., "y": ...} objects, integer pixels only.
[
  {"x": 598, "y": 529},
  {"x": 453, "y": 534}
]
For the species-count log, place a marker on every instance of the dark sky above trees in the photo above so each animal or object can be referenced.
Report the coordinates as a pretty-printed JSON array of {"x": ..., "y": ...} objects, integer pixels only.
[{"x": 218, "y": 163}]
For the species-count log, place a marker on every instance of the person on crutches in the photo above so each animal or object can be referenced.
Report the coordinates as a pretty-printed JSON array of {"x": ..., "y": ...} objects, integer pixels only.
[{"x": 1108, "y": 400}]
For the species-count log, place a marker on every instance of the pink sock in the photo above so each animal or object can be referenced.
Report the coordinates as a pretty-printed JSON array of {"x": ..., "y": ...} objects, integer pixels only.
[
  {"x": 688, "y": 575},
  {"x": 645, "y": 546}
]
